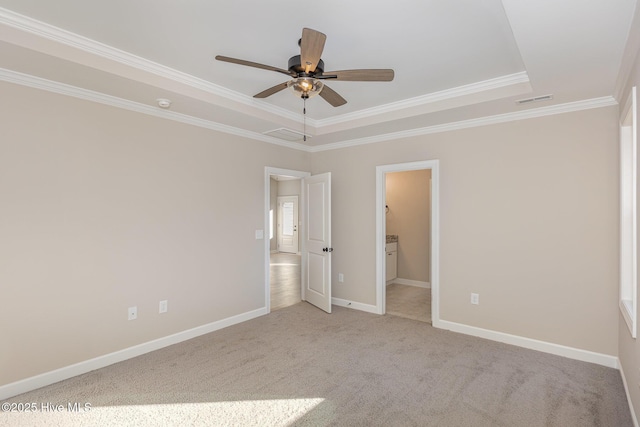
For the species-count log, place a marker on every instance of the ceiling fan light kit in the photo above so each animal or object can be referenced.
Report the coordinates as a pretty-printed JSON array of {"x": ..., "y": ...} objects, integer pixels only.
[
  {"x": 307, "y": 71},
  {"x": 305, "y": 87}
]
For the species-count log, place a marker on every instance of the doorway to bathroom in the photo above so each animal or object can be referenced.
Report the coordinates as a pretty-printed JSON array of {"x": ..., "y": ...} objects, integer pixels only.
[
  {"x": 407, "y": 235},
  {"x": 408, "y": 243}
]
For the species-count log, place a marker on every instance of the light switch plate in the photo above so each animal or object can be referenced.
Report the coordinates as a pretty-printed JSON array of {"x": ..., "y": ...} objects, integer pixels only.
[
  {"x": 475, "y": 299},
  {"x": 163, "y": 306}
]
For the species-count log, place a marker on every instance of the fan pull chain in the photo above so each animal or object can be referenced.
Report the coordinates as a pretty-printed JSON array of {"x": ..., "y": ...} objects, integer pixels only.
[{"x": 304, "y": 119}]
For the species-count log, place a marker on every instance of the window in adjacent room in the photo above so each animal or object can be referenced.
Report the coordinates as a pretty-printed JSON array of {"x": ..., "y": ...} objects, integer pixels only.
[
  {"x": 270, "y": 224},
  {"x": 628, "y": 213}
]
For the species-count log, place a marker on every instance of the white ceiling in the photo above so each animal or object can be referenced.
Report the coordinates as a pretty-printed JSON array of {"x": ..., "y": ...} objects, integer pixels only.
[{"x": 455, "y": 62}]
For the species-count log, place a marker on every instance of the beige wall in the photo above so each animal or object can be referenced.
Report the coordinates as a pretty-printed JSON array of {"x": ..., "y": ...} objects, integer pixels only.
[
  {"x": 290, "y": 187},
  {"x": 102, "y": 209},
  {"x": 630, "y": 348},
  {"x": 408, "y": 195},
  {"x": 528, "y": 219}
]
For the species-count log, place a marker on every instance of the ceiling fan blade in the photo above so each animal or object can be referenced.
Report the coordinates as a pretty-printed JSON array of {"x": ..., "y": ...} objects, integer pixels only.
[
  {"x": 311, "y": 47},
  {"x": 371, "y": 75},
  {"x": 332, "y": 97},
  {"x": 271, "y": 90},
  {"x": 253, "y": 64}
]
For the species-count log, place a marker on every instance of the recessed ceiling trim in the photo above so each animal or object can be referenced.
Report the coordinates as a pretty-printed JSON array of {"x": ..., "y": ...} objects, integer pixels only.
[
  {"x": 101, "y": 98},
  {"x": 430, "y": 98},
  {"x": 68, "y": 90},
  {"x": 475, "y": 93},
  {"x": 93, "y": 47},
  {"x": 606, "y": 101},
  {"x": 83, "y": 44}
]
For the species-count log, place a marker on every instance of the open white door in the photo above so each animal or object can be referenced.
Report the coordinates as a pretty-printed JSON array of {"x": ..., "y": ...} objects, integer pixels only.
[{"x": 317, "y": 253}]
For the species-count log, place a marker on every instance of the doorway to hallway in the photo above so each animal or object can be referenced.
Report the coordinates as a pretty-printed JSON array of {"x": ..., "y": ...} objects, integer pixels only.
[
  {"x": 314, "y": 227},
  {"x": 284, "y": 257}
]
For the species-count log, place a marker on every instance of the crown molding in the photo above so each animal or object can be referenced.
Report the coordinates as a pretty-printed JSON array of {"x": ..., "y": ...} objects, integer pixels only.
[
  {"x": 93, "y": 47},
  {"x": 58, "y": 35},
  {"x": 430, "y": 98},
  {"x": 89, "y": 95},
  {"x": 569, "y": 107}
]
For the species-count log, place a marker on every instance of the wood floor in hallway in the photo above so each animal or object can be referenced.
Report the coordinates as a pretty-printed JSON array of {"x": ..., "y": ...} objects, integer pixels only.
[{"x": 285, "y": 279}]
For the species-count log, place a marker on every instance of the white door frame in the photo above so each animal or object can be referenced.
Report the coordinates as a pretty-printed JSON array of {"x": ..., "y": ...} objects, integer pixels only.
[
  {"x": 268, "y": 172},
  {"x": 381, "y": 232}
]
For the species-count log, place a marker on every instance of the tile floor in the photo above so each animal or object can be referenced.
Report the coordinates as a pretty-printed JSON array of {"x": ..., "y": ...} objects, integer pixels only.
[{"x": 410, "y": 302}]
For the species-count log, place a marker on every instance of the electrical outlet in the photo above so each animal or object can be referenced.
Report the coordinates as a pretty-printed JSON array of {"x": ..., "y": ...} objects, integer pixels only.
[
  {"x": 475, "y": 299},
  {"x": 340, "y": 277},
  {"x": 163, "y": 306},
  {"x": 132, "y": 313}
]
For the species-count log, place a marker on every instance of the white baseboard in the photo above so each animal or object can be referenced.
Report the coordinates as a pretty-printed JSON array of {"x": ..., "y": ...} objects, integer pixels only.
[
  {"x": 547, "y": 347},
  {"x": 416, "y": 283},
  {"x": 355, "y": 305},
  {"x": 626, "y": 390},
  {"x": 32, "y": 383}
]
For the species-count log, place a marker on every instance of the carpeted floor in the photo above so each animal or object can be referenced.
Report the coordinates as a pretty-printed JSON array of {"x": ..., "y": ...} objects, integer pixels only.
[{"x": 299, "y": 366}]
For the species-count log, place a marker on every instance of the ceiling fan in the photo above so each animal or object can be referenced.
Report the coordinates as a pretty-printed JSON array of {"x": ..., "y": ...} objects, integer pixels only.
[{"x": 307, "y": 71}]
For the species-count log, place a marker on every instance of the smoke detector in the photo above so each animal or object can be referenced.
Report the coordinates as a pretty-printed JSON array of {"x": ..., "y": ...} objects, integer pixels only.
[{"x": 163, "y": 103}]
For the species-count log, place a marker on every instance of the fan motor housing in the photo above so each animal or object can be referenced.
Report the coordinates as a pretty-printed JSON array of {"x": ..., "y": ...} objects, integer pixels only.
[{"x": 296, "y": 66}]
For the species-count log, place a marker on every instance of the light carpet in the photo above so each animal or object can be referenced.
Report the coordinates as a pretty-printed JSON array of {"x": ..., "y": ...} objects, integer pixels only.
[{"x": 299, "y": 366}]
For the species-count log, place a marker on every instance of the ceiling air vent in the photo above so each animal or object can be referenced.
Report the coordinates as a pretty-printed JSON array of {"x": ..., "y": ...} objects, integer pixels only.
[
  {"x": 286, "y": 134},
  {"x": 534, "y": 99}
]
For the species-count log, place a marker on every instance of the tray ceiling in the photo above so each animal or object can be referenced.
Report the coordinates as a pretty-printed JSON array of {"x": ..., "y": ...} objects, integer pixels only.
[{"x": 455, "y": 62}]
